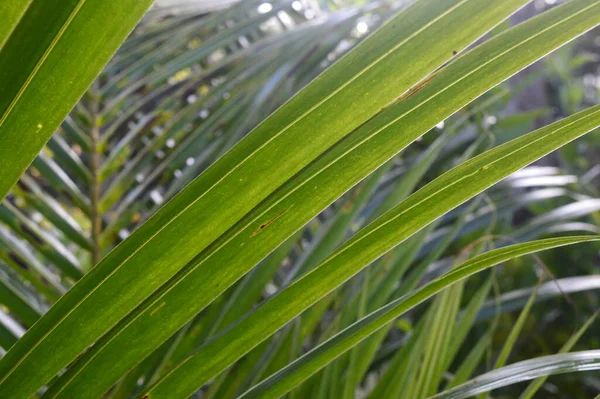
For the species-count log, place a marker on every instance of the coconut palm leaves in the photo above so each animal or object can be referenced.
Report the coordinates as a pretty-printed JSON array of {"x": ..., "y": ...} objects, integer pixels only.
[{"x": 146, "y": 210}]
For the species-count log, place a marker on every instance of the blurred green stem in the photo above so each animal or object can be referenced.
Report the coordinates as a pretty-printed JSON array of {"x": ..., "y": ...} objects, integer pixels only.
[{"x": 95, "y": 183}]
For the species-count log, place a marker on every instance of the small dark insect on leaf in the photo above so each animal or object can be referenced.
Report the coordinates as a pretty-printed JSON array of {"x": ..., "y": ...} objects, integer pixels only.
[{"x": 454, "y": 52}]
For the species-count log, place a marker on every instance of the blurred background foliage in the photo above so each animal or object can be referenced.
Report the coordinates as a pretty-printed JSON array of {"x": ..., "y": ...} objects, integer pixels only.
[{"x": 194, "y": 78}]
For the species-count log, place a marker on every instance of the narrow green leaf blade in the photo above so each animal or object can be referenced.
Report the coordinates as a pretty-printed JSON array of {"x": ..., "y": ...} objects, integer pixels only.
[
  {"x": 52, "y": 55},
  {"x": 11, "y": 12},
  {"x": 511, "y": 340},
  {"x": 536, "y": 384},
  {"x": 286, "y": 379}
]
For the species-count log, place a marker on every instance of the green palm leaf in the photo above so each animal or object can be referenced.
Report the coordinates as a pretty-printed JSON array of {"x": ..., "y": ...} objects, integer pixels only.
[
  {"x": 392, "y": 228},
  {"x": 49, "y": 55},
  {"x": 223, "y": 159}
]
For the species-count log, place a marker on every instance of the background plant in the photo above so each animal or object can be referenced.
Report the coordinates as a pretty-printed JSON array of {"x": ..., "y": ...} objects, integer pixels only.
[{"x": 184, "y": 89}]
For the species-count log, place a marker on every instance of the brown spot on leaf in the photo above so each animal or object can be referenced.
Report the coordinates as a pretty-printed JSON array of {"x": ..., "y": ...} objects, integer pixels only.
[
  {"x": 268, "y": 222},
  {"x": 347, "y": 207},
  {"x": 417, "y": 88},
  {"x": 454, "y": 52},
  {"x": 136, "y": 217},
  {"x": 157, "y": 308}
]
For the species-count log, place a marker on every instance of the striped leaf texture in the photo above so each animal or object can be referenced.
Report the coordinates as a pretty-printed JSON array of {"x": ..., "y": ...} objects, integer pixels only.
[{"x": 287, "y": 198}]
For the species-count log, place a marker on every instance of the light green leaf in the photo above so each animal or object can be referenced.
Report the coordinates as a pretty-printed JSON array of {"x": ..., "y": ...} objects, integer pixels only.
[
  {"x": 53, "y": 53},
  {"x": 11, "y": 12}
]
